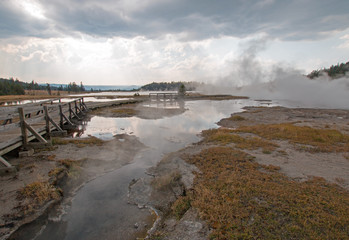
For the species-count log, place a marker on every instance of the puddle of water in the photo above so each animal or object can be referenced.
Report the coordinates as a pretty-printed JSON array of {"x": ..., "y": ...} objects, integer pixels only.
[
  {"x": 99, "y": 210},
  {"x": 12, "y": 103},
  {"x": 65, "y": 100},
  {"x": 142, "y": 93}
]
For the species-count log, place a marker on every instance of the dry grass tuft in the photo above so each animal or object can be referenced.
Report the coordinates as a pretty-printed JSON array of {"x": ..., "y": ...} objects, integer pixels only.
[
  {"x": 56, "y": 171},
  {"x": 51, "y": 157},
  {"x": 167, "y": 181},
  {"x": 241, "y": 202},
  {"x": 39, "y": 192},
  {"x": 228, "y": 136},
  {"x": 73, "y": 167},
  {"x": 81, "y": 142},
  {"x": 320, "y": 140},
  {"x": 124, "y": 111}
]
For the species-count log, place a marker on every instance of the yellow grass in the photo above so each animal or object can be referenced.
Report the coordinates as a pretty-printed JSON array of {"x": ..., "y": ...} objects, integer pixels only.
[
  {"x": 39, "y": 192},
  {"x": 81, "y": 142},
  {"x": 239, "y": 201},
  {"x": 320, "y": 140},
  {"x": 228, "y": 136},
  {"x": 124, "y": 111}
]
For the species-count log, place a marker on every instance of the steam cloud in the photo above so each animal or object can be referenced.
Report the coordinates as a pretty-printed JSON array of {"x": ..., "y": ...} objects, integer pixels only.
[{"x": 249, "y": 77}]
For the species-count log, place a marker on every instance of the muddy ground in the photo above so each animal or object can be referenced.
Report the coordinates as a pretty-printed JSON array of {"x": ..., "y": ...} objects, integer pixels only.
[{"x": 67, "y": 166}]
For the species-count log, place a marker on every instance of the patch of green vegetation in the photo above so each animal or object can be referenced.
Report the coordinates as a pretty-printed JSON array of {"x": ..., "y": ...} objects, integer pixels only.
[
  {"x": 227, "y": 136},
  {"x": 241, "y": 199},
  {"x": 81, "y": 142},
  {"x": 321, "y": 140},
  {"x": 236, "y": 118},
  {"x": 181, "y": 206}
]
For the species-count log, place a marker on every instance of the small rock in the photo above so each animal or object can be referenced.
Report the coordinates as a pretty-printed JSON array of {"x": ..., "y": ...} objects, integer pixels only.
[
  {"x": 136, "y": 225},
  {"x": 141, "y": 206}
]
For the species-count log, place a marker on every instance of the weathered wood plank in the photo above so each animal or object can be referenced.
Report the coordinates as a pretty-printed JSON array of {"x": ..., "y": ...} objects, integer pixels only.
[
  {"x": 6, "y": 163},
  {"x": 36, "y": 134},
  {"x": 10, "y": 142},
  {"x": 36, "y": 120},
  {"x": 55, "y": 125},
  {"x": 23, "y": 127},
  {"x": 47, "y": 121},
  {"x": 9, "y": 127},
  {"x": 4, "y": 116}
]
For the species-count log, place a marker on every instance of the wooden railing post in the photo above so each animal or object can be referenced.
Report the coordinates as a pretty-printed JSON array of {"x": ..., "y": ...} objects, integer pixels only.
[
  {"x": 83, "y": 104},
  {"x": 76, "y": 107},
  {"x": 47, "y": 119},
  {"x": 80, "y": 104},
  {"x": 23, "y": 128},
  {"x": 60, "y": 116},
  {"x": 70, "y": 110}
]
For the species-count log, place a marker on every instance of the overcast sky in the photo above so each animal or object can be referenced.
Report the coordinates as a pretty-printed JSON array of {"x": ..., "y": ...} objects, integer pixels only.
[{"x": 120, "y": 42}]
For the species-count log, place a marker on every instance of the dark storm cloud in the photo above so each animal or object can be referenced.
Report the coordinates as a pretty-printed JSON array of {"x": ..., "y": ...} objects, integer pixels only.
[
  {"x": 195, "y": 19},
  {"x": 13, "y": 22}
]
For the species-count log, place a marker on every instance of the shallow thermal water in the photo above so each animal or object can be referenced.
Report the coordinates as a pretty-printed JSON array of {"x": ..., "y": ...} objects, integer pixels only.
[{"x": 99, "y": 210}]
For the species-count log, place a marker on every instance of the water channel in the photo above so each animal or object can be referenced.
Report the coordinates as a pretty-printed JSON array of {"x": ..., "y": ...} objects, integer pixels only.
[{"x": 100, "y": 209}]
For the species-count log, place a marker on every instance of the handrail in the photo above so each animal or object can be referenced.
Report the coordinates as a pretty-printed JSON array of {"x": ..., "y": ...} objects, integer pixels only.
[{"x": 36, "y": 120}]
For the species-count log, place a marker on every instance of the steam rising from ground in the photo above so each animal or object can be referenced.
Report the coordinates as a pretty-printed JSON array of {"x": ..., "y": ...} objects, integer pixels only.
[{"x": 251, "y": 77}]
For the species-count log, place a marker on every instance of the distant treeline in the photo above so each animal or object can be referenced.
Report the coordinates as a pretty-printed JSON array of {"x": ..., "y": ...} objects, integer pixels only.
[
  {"x": 335, "y": 71},
  {"x": 16, "y": 87},
  {"x": 170, "y": 86}
]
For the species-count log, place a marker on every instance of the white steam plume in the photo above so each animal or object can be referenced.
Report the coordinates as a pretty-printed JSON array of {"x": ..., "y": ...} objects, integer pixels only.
[{"x": 249, "y": 77}]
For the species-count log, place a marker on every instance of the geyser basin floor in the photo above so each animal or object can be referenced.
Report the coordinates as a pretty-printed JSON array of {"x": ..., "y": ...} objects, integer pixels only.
[{"x": 108, "y": 192}]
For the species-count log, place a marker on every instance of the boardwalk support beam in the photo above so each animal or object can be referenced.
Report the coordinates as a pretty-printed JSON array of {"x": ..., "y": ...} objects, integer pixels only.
[{"x": 49, "y": 120}]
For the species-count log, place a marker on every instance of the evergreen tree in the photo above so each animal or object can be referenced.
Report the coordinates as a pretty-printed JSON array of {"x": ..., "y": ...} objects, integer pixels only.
[{"x": 48, "y": 87}]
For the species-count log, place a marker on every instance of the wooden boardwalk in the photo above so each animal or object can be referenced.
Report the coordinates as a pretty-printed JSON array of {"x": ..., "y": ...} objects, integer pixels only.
[
  {"x": 163, "y": 96},
  {"x": 20, "y": 125}
]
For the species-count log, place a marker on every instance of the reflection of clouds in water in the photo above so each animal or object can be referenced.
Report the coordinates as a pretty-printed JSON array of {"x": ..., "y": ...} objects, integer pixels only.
[
  {"x": 170, "y": 132},
  {"x": 100, "y": 125}
]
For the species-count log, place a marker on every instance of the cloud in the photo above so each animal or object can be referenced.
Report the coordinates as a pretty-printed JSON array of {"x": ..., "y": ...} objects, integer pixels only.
[
  {"x": 196, "y": 19},
  {"x": 345, "y": 44}
]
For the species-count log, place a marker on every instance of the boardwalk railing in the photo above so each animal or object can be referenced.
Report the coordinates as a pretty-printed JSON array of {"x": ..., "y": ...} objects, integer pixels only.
[
  {"x": 22, "y": 124},
  {"x": 163, "y": 96}
]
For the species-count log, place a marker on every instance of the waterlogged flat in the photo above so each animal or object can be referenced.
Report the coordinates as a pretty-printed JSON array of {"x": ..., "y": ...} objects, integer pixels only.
[{"x": 100, "y": 208}]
